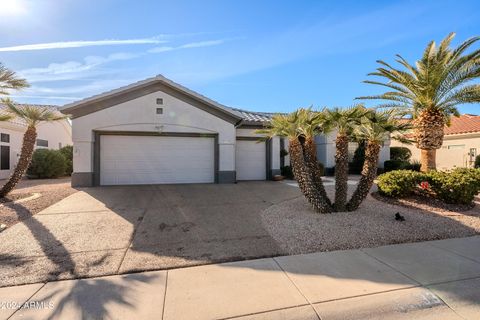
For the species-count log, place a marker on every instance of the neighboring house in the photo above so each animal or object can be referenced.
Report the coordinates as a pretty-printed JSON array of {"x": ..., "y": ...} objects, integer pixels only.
[
  {"x": 156, "y": 131},
  {"x": 461, "y": 143},
  {"x": 52, "y": 135}
]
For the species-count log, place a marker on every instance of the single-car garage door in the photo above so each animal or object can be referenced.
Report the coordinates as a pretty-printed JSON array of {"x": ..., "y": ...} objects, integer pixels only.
[
  {"x": 156, "y": 160},
  {"x": 250, "y": 160}
]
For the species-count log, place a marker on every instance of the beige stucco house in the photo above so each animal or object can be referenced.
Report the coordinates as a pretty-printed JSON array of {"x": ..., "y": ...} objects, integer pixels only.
[
  {"x": 52, "y": 135},
  {"x": 157, "y": 131},
  {"x": 461, "y": 143}
]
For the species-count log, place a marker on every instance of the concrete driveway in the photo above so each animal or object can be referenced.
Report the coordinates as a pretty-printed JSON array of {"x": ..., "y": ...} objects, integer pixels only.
[{"x": 111, "y": 230}]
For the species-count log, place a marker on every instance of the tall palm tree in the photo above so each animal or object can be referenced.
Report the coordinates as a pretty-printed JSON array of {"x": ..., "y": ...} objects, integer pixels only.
[
  {"x": 10, "y": 81},
  {"x": 344, "y": 122},
  {"x": 300, "y": 127},
  {"x": 431, "y": 90},
  {"x": 31, "y": 116},
  {"x": 376, "y": 127}
]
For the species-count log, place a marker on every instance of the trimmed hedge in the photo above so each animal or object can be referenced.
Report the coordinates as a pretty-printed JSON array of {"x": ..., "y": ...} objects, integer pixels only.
[
  {"x": 400, "y": 153},
  {"x": 67, "y": 152},
  {"x": 399, "y": 183},
  {"x": 477, "y": 161},
  {"x": 47, "y": 163},
  {"x": 458, "y": 186},
  {"x": 391, "y": 165}
]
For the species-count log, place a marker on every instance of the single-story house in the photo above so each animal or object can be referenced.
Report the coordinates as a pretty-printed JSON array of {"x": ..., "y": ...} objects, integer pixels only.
[
  {"x": 156, "y": 131},
  {"x": 50, "y": 135},
  {"x": 460, "y": 144}
]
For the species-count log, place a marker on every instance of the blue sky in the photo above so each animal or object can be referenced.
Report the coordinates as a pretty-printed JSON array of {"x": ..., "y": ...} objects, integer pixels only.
[{"x": 256, "y": 55}]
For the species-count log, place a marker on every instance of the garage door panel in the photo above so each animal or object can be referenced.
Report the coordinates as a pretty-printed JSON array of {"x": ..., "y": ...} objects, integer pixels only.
[
  {"x": 156, "y": 160},
  {"x": 250, "y": 159}
]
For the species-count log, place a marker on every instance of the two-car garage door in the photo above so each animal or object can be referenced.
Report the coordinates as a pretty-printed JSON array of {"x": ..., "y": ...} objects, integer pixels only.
[{"x": 156, "y": 159}]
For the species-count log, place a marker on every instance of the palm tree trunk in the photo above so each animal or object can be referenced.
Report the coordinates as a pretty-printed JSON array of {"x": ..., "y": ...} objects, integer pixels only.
[
  {"x": 28, "y": 145},
  {"x": 429, "y": 133},
  {"x": 428, "y": 160},
  {"x": 310, "y": 151},
  {"x": 369, "y": 172},
  {"x": 341, "y": 172},
  {"x": 304, "y": 177}
]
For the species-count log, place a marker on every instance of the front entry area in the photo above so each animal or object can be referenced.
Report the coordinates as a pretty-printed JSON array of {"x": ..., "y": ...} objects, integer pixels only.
[{"x": 136, "y": 159}]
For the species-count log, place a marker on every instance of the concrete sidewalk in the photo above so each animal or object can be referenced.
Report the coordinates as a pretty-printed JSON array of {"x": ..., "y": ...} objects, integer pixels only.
[{"x": 428, "y": 280}]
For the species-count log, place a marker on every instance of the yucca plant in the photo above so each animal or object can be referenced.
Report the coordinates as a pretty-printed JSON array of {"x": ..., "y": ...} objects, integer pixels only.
[
  {"x": 431, "y": 90},
  {"x": 343, "y": 121},
  {"x": 31, "y": 116},
  {"x": 301, "y": 127},
  {"x": 376, "y": 127}
]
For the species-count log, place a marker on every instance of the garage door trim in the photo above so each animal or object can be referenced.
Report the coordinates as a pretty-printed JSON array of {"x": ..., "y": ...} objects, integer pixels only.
[
  {"x": 96, "y": 146},
  {"x": 268, "y": 153}
]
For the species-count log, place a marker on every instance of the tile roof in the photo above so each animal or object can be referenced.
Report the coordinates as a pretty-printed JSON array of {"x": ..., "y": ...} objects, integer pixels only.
[
  {"x": 466, "y": 123},
  {"x": 253, "y": 116}
]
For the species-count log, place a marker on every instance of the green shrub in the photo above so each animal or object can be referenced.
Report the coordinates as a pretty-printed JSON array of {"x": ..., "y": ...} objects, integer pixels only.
[
  {"x": 459, "y": 186},
  {"x": 47, "y": 164},
  {"x": 477, "y": 161},
  {"x": 287, "y": 172},
  {"x": 67, "y": 152},
  {"x": 355, "y": 167},
  {"x": 414, "y": 165},
  {"x": 391, "y": 165},
  {"x": 400, "y": 153},
  {"x": 399, "y": 183}
]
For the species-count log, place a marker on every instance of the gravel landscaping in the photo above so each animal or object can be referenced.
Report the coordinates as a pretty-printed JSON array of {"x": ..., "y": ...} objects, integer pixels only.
[
  {"x": 297, "y": 229},
  {"x": 51, "y": 191}
]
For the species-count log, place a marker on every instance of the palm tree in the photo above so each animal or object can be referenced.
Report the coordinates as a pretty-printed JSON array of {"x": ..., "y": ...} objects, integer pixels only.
[
  {"x": 376, "y": 127},
  {"x": 431, "y": 90},
  {"x": 300, "y": 127},
  {"x": 344, "y": 122},
  {"x": 32, "y": 116},
  {"x": 10, "y": 81}
]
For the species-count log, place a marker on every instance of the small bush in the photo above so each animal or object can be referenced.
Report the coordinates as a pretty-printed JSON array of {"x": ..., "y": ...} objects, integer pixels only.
[
  {"x": 47, "y": 164},
  {"x": 414, "y": 165},
  {"x": 399, "y": 183},
  {"x": 67, "y": 152},
  {"x": 477, "y": 161},
  {"x": 458, "y": 186},
  {"x": 355, "y": 167},
  {"x": 391, "y": 165},
  {"x": 287, "y": 172},
  {"x": 400, "y": 153}
]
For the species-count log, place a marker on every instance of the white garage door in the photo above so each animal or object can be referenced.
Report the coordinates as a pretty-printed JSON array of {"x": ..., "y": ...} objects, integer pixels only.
[
  {"x": 156, "y": 160},
  {"x": 250, "y": 160}
]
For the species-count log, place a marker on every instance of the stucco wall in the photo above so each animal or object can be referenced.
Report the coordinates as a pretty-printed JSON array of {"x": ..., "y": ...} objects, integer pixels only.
[
  {"x": 454, "y": 151},
  {"x": 140, "y": 115}
]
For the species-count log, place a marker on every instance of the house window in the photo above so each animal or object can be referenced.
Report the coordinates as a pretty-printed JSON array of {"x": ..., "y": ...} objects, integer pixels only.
[
  {"x": 4, "y": 157},
  {"x": 42, "y": 143},
  {"x": 159, "y": 110},
  {"x": 159, "y": 100},
  {"x": 4, "y": 137},
  {"x": 456, "y": 146}
]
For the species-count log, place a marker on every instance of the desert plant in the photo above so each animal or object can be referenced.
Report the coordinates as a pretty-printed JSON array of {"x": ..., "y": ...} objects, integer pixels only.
[
  {"x": 300, "y": 127},
  {"x": 459, "y": 186},
  {"x": 399, "y": 183},
  {"x": 358, "y": 158},
  {"x": 343, "y": 121},
  {"x": 67, "y": 152},
  {"x": 376, "y": 127},
  {"x": 400, "y": 153},
  {"x": 431, "y": 89},
  {"x": 47, "y": 164},
  {"x": 477, "y": 162},
  {"x": 32, "y": 116}
]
